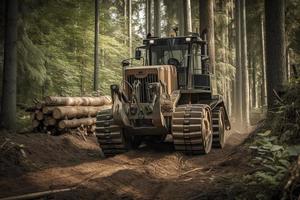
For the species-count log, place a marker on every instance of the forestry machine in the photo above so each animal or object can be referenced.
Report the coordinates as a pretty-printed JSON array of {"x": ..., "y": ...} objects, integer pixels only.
[{"x": 172, "y": 93}]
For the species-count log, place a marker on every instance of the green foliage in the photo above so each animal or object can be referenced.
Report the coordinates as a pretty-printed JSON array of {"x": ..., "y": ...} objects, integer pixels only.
[
  {"x": 225, "y": 54},
  {"x": 32, "y": 72},
  {"x": 271, "y": 158},
  {"x": 294, "y": 150},
  {"x": 286, "y": 119},
  {"x": 224, "y": 72},
  {"x": 275, "y": 149},
  {"x": 56, "y": 48},
  {"x": 293, "y": 24}
]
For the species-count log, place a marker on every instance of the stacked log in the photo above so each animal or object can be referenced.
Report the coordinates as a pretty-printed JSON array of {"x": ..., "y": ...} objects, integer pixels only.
[
  {"x": 74, "y": 123},
  {"x": 56, "y": 115}
]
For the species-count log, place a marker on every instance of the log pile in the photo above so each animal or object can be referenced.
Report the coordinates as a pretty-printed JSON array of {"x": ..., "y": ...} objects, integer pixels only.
[{"x": 56, "y": 115}]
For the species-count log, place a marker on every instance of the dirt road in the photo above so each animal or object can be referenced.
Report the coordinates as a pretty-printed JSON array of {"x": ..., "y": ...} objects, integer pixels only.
[{"x": 66, "y": 161}]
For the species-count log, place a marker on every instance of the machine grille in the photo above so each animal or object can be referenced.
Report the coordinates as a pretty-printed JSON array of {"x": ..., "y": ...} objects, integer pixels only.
[{"x": 150, "y": 78}]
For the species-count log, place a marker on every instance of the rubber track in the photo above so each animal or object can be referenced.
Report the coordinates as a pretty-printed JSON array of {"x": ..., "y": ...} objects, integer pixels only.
[
  {"x": 109, "y": 134},
  {"x": 187, "y": 129},
  {"x": 216, "y": 128}
]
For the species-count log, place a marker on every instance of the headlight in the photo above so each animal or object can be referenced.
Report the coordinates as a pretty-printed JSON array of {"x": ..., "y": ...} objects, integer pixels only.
[
  {"x": 133, "y": 110},
  {"x": 114, "y": 87},
  {"x": 188, "y": 39},
  {"x": 151, "y": 41}
]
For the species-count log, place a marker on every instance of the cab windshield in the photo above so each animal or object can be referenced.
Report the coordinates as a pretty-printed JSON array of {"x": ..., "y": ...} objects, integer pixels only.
[{"x": 161, "y": 55}]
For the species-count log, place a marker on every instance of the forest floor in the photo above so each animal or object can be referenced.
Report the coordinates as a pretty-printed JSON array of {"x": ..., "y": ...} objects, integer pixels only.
[{"x": 35, "y": 162}]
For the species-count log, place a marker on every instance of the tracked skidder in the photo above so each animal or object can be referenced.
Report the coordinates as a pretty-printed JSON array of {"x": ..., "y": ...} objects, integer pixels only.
[{"x": 172, "y": 93}]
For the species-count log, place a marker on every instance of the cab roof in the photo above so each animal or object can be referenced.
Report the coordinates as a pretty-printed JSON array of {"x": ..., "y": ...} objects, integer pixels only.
[
  {"x": 175, "y": 40},
  {"x": 149, "y": 67}
]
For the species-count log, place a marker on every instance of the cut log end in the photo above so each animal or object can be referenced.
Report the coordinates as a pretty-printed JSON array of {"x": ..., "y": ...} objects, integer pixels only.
[
  {"x": 35, "y": 123},
  {"x": 40, "y": 116}
]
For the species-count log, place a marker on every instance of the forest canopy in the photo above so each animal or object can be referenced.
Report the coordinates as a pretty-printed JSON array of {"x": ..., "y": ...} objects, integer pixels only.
[{"x": 55, "y": 45}]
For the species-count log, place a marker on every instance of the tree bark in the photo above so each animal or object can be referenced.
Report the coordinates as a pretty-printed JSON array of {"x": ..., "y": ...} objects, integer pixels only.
[
  {"x": 80, "y": 111},
  {"x": 275, "y": 48},
  {"x": 9, "y": 90},
  {"x": 77, "y": 101},
  {"x": 96, "y": 47},
  {"x": 238, "y": 76},
  {"x": 288, "y": 65},
  {"x": 245, "y": 77},
  {"x": 148, "y": 16},
  {"x": 189, "y": 17},
  {"x": 206, "y": 9},
  {"x": 254, "y": 81},
  {"x": 125, "y": 20},
  {"x": 157, "y": 18},
  {"x": 182, "y": 17},
  {"x": 74, "y": 123},
  {"x": 130, "y": 27},
  {"x": 263, "y": 71}
]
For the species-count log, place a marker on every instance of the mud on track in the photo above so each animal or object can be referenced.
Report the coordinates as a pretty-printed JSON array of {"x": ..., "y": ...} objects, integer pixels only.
[{"x": 155, "y": 172}]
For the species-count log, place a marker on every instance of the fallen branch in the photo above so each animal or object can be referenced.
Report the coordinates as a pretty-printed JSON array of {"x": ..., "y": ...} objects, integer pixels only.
[
  {"x": 36, "y": 195},
  {"x": 278, "y": 97},
  {"x": 193, "y": 170},
  {"x": 4, "y": 143}
]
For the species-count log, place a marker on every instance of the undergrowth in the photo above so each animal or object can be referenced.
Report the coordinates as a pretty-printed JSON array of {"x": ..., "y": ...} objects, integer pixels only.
[{"x": 275, "y": 150}]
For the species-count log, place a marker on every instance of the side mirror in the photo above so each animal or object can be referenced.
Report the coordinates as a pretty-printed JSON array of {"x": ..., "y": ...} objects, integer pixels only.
[
  {"x": 125, "y": 63},
  {"x": 138, "y": 54}
]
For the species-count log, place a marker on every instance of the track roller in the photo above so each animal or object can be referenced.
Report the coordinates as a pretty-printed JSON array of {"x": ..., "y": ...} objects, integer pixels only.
[
  {"x": 218, "y": 127},
  {"x": 192, "y": 129},
  {"x": 109, "y": 135}
]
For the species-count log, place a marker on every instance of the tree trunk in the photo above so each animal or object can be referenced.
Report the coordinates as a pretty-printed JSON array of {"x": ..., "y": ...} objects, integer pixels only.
[
  {"x": 80, "y": 111},
  {"x": 231, "y": 89},
  {"x": 9, "y": 90},
  {"x": 130, "y": 27},
  {"x": 254, "y": 81},
  {"x": 288, "y": 68},
  {"x": 189, "y": 17},
  {"x": 263, "y": 50},
  {"x": 250, "y": 59},
  {"x": 245, "y": 77},
  {"x": 157, "y": 18},
  {"x": 206, "y": 9},
  {"x": 238, "y": 76},
  {"x": 77, "y": 101},
  {"x": 148, "y": 16},
  {"x": 182, "y": 17},
  {"x": 74, "y": 123},
  {"x": 275, "y": 48},
  {"x": 96, "y": 46},
  {"x": 125, "y": 20}
]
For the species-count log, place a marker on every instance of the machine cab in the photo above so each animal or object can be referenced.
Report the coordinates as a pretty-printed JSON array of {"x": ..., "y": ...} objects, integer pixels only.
[{"x": 187, "y": 54}]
